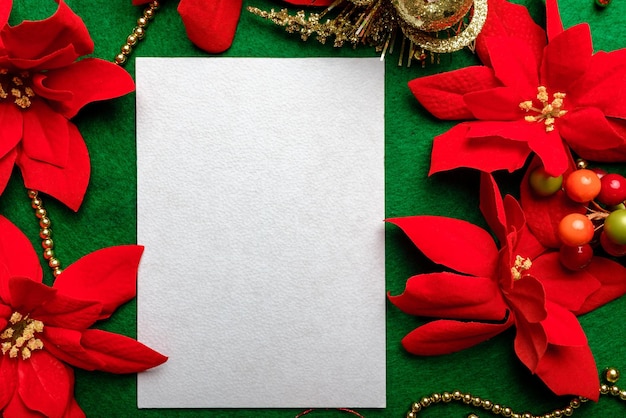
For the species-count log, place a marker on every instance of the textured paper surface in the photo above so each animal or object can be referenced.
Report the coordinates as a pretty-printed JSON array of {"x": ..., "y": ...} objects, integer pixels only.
[{"x": 261, "y": 206}]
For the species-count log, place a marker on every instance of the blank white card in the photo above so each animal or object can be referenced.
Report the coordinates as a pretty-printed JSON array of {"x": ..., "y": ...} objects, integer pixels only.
[{"x": 260, "y": 198}]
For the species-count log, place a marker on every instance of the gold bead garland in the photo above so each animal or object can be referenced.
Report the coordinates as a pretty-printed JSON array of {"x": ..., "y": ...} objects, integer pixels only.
[
  {"x": 45, "y": 233},
  {"x": 610, "y": 375}
]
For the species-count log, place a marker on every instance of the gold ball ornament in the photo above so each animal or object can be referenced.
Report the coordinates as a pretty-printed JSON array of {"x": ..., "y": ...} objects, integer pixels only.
[{"x": 432, "y": 15}]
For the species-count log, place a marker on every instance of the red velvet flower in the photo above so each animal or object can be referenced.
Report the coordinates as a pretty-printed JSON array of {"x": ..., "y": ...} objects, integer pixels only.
[
  {"x": 44, "y": 329},
  {"x": 529, "y": 97},
  {"x": 518, "y": 285},
  {"x": 42, "y": 86}
]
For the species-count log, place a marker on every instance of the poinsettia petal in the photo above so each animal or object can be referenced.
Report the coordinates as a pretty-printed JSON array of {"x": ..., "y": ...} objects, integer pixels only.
[
  {"x": 442, "y": 94},
  {"x": 587, "y": 129},
  {"x": 8, "y": 380},
  {"x": 514, "y": 64},
  {"x": 554, "y": 26},
  {"x": 530, "y": 342},
  {"x": 455, "y": 149},
  {"x": 46, "y": 135},
  {"x": 17, "y": 253},
  {"x": 120, "y": 354},
  {"x": 44, "y": 384},
  {"x": 6, "y": 168},
  {"x": 16, "y": 408},
  {"x": 454, "y": 243},
  {"x": 65, "y": 344},
  {"x": 449, "y": 295},
  {"x": 612, "y": 279},
  {"x": 73, "y": 409},
  {"x": 564, "y": 287},
  {"x": 5, "y": 12},
  {"x": 566, "y": 58},
  {"x": 543, "y": 214},
  {"x": 40, "y": 40},
  {"x": 107, "y": 276},
  {"x": 604, "y": 81},
  {"x": 447, "y": 336},
  {"x": 87, "y": 80},
  {"x": 491, "y": 206},
  {"x": 210, "y": 25},
  {"x": 11, "y": 122},
  {"x": 26, "y": 295},
  {"x": 67, "y": 184},
  {"x": 528, "y": 299},
  {"x": 500, "y": 103},
  {"x": 570, "y": 371},
  {"x": 562, "y": 327}
]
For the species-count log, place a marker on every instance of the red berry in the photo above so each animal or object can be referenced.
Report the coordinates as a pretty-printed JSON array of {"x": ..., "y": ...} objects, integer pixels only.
[
  {"x": 613, "y": 189},
  {"x": 582, "y": 185},
  {"x": 611, "y": 248},
  {"x": 577, "y": 257},
  {"x": 575, "y": 229}
]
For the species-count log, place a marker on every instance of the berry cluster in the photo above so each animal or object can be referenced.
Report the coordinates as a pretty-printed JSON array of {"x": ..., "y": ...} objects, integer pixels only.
[{"x": 604, "y": 223}]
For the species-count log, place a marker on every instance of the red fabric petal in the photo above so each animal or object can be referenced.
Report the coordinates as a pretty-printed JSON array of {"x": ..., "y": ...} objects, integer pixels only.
[
  {"x": 17, "y": 253},
  {"x": 107, "y": 276},
  {"x": 11, "y": 122},
  {"x": 17, "y": 409},
  {"x": 73, "y": 410},
  {"x": 564, "y": 287},
  {"x": 6, "y": 168},
  {"x": 562, "y": 327},
  {"x": 454, "y": 243},
  {"x": 446, "y": 336},
  {"x": 41, "y": 41},
  {"x": 491, "y": 206},
  {"x": 65, "y": 344},
  {"x": 501, "y": 103},
  {"x": 442, "y": 94},
  {"x": 514, "y": 65},
  {"x": 449, "y": 295},
  {"x": 44, "y": 384},
  {"x": 455, "y": 149},
  {"x": 528, "y": 299},
  {"x": 612, "y": 278},
  {"x": 530, "y": 342},
  {"x": 513, "y": 20},
  {"x": 602, "y": 84},
  {"x": 210, "y": 25},
  {"x": 554, "y": 26},
  {"x": 587, "y": 130},
  {"x": 570, "y": 371},
  {"x": 67, "y": 184},
  {"x": 88, "y": 80},
  {"x": 8, "y": 380},
  {"x": 46, "y": 135},
  {"x": 120, "y": 354},
  {"x": 566, "y": 59},
  {"x": 5, "y": 12},
  {"x": 26, "y": 295},
  {"x": 543, "y": 214}
]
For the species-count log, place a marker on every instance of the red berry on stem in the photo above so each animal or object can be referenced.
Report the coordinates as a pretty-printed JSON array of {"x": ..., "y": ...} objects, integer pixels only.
[
  {"x": 577, "y": 257},
  {"x": 613, "y": 189},
  {"x": 575, "y": 229},
  {"x": 582, "y": 185}
]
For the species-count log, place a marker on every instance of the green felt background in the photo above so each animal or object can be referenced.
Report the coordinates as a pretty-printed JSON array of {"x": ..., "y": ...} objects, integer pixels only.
[{"x": 107, "y": 216}]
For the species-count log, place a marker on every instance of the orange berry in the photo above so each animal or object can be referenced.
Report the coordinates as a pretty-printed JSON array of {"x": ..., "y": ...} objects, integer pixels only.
[
  {"x": 575, "y": 229},
  {"x": 582, "y": 185}
]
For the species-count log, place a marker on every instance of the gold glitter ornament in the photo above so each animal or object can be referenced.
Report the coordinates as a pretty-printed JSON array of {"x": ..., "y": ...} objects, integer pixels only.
[{"x": 432, "y": 15}]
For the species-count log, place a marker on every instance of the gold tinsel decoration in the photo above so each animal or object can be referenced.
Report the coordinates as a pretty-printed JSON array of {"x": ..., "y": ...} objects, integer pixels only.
[{"x": 424, "y": 28}]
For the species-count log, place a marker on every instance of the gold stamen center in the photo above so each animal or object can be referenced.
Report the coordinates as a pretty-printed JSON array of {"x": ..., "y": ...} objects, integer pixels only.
[
  {"x": 520, "y": 266},
  {"x": 16, "y": 87},
  {"x": 549, "y": 112},
  {"x": 19, "y": 336}
]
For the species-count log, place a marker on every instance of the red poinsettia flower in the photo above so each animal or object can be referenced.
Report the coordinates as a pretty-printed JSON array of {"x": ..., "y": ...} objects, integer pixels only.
[
  {"x": 210, "y": 25},
  {"x": 44, "y": 329},
  {"x": 42, "y": 86},
  {"x": 530, "y": 96},
  {"x": 518, "y": 285}
]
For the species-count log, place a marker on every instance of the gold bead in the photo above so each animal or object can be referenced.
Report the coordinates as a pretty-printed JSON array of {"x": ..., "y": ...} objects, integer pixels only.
[
  {"x": 44, "y": 222},
  {"x": 139, "y": 32},
  {"x": 131, "y": 40},
  {"x": 611, "y": 374},
  {"x": 154, "y": 5},
  {"x": 126, "y": 49},
  {"x": 45, "y": 233},
  {"x": 457, "y": 395},
  {"x": 120, "y": 59},
  {"x": 496, "y": 409},
  {"x": 142, "y": 22},
  {"x": 527, "y": 415},
  {"x": 56, "y": 272},
  {"x": 507, "y": 412},
  {"x": 472, "y": 416},
  {"x": 574, "y": 403},
  {"x": 36, "y": 203},
  {"x": 415, "y": 406},
  {"x": 614, "y": 390},
  {"x": 604, "y": 389},
  {"x": 435, "y": 397},
  {"x": 467, "y": 398},
  {"x": 557, "y": 413},
  {"x": 446, "y": 397},
  {"x": 487, "y": 404},
  {"x": 580, "y": 164},
  {"x": 515, "y": 415},
  {"x": 476, "y": 401},
  {"x": 48, "y": 253},
  {"x": 411, "y": 415},
  {"x": 54, "y": 263},
  {"x": 40, "y": 213},
  {"x": 568, "y": 411},
  {"x": 425, "y": 401},
  {"x": 32, "y": 194},
  {"x": 148, "y": 13},
  {"x": 47, "y": 243}
]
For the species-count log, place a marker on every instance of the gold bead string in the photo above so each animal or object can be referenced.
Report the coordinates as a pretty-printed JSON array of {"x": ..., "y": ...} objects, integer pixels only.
[
  {"x": 138, "y": 33},
  {"x": 610, "y": 375},
  {"x": 45, "y": 232}
]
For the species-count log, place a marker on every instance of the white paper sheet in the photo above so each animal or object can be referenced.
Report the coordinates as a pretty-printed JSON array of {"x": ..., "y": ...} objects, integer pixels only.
[{"x": 261, "y": 206}]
